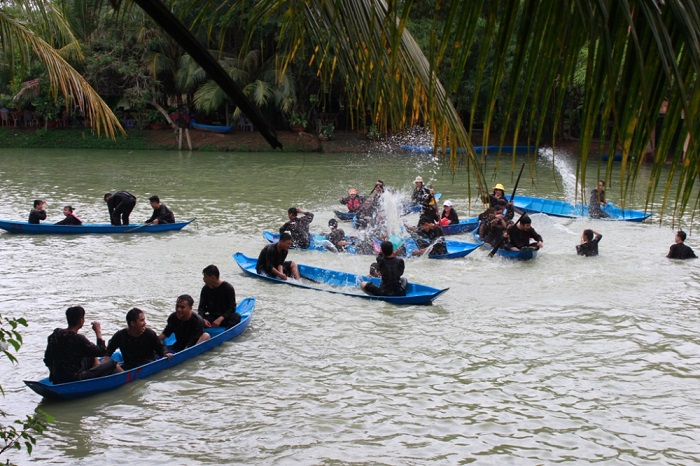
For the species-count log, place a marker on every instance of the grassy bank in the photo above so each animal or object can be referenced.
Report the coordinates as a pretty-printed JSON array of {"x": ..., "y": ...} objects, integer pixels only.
[{"x": 69, "y": 138}]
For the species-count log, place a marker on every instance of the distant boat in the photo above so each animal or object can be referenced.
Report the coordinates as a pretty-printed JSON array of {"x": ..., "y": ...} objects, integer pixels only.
[
  {"x": 344, "y": 283},
  {"x": 89, "y": 387},
  {"x": 480, "y": 150},
  {"x": 616, "y": 157},
  {"x": 564, "y": 209},
  {"x": 88, "y": 228},
  {"x": 211, "y": 128}
]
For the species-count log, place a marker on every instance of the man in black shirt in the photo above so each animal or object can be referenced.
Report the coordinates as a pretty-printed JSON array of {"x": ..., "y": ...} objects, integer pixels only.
[
  {"x": 298, "y": 227},
  {"x": 272, "y": 259},
  {"x": 519, "y": 235},
  {"x": 120, "y": 205},
  {"x": 187, "y": 326},
  {"x": 38, "y": 212},
  {"x": 139, "y": 345},
  {"x": 680, "y": 250},
  {"x": 217, "y": 300},
  {"x": 429, "y": 235},
  {"x": 390, "y": 268},
  {"x": 70, "y": 356},
  {"x": 161, "y": 213}
]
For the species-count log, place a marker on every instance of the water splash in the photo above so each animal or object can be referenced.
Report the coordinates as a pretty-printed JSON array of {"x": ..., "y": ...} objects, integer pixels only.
[{"x": 566, "y": 168}]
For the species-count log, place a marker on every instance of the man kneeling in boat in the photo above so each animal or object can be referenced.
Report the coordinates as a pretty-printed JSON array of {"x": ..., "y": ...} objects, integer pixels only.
[
  {"x": 71, "y": 357},
  {"x": 391, "y": 268},
  {"x": 187, "y": 326},
  {"x": 161, "y": 213},
  {"x": 217, "y": 300},
  {"x": 272, "y": 259},
  {"x": 139, "y": 345},
  {"x": 519, "y": 235}
]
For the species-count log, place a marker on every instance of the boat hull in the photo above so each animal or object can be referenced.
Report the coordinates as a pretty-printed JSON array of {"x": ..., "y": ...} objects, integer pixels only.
[
  {"x": 211, "y": 128},
  {"x": 88, "y": 228},
  {"x": 85, "y": 388},
  {"x": 524, "y": 254},
  {"x": 338, "y": 282},
  {"x": 564, "y": 209}
]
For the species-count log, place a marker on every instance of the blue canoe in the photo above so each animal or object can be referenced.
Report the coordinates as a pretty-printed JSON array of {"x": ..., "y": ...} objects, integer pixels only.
[
  {"x": 88, "y": 228},
  {"x": 348, "y": 284},
  {"x": 85, "y": 388},
  {"x": 566, "y": 210},
  {"x": 212, "y": 128},
  {"x": 319, "y": 242},
  {"x": 464, "y": 226},
  {"x": 524, "y": 254},
  {"x": 344, "y": 216},
  {"x": 616, "y": 157}
]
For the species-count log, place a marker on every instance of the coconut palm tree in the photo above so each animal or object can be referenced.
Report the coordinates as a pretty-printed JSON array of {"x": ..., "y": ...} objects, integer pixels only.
[{"x": 50, "y": 40}]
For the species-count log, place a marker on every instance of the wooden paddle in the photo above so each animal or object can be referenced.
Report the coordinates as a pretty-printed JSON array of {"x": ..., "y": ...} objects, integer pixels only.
[{"x": 512, "y": 197}]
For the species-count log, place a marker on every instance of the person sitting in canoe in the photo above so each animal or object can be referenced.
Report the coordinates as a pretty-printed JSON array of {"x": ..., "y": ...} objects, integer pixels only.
[
  {"x": 519, "y": 235},
  {"x": 421, "y": 192},
  {"x": 272, "y": 259},
  {"x": 217, "y": 300},
  {"x": 680, "y": 250},
  {"x": 38, "y": 212},
  {"x": 337, "y": 236},
  {"x": 70, "y": 356},
  {"x": 139, "y": 344},
  {"x": 161, "y": 213},
  {"x": 298, "y": 227},
  {"x": 429, "y": 238},
  {"x": 391, "y": 269},
  {"x": 597, "y": 201},
  {"x": 589, "y": 243},
  {"x": 352, "y": 200},
  {"x": 449, "y": 216},
  {"x": 187, "y": 326},
  {"x": 120, "y": 205},
  {"x": 71, "y": 218},
  {"x": 494, "y": 223},
  {"x": 499, "y": 192}
]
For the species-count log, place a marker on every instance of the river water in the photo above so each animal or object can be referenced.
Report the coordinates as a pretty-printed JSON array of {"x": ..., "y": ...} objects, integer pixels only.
[{"x": 562, "y": 359}]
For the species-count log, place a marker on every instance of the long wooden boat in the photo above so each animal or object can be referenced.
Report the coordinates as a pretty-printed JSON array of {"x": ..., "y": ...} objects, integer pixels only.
[
  {"x": 344, "y": 283},
  {"x": 85, "y": 388},
  {"x": 88, "y": 228},
  {"x": 319, "y": 242},
  {"x": 524, "y": 254},
  {"x": 212, "y": 128},
  {"x": 566, "y": 210}
]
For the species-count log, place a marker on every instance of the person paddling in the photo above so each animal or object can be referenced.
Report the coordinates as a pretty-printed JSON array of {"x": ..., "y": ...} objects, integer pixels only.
[
  {"x": 391, "y": 269},
  {"x": 520, "y": 234}
]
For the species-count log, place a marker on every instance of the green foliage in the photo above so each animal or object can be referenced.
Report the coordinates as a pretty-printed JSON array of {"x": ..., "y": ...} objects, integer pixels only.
[
  {"x": 20, "y": 433},
  {"x": 327, "y": 131},
  {"x": 69, "y": 138},
  {"x": 298, "y": 119},
  {"x": 373, "y": 133}
]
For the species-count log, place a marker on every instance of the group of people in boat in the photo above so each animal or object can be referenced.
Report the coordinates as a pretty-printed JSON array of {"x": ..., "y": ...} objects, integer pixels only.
[
  {"x": 71, "y": 357},
  {"x": 119, "y": 205}
]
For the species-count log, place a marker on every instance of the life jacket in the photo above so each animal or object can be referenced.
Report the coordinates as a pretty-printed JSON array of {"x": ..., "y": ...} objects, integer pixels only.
[{"x": 354, "y": 204}]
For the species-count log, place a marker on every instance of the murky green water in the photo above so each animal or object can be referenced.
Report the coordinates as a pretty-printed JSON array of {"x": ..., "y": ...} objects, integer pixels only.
[{"x": 565, "y": 359}]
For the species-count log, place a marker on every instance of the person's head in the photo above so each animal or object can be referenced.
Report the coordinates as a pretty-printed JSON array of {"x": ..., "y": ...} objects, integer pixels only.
[
  {"x": 67, "y": 210},
  {"x": 210, "y": 275},
  {"x": 499, "y": 190},
  {"x": 154, "y": 200},
  {"x": 292, "y": 213},
  {"x": 38, "y": 203},
  {"x": 680, "y": 235},
  {"x": 75, "y": 315},
  {"x": 601, "y": 184},
  {"x": 361, "y": 224},
  {"x": 136, "y": 321},
  {"x": 379, "y": 186},
  {"x": 587, "y": 235},
  {"x": 447, "y": 205},
  {"x": 333, "y": 224},
  {"x": 352, "y": 192},
  {"x": 419, "y": 182},
  {"x": 107, "y": 196},
  {"x": 425, "y": 223},
  {"x": 183, "y": 306},
  {"x": 285, "y": 241},
  {"x": 525, "y": 222},
  {"x": 387, "y": 248},
  {"x": 500, "y": 206}
]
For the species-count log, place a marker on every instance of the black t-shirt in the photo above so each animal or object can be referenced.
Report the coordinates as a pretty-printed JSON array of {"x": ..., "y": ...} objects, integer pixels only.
[
  {"x": 187, "y": 332},
  {"x": 299, "y": 228},
  {"x": 590, "y": 248},
  {"x": 219, "y": 301},
  {"x": 681, "y": 251},
  {"x": 65, "y": 354},
  {"x": 270, "y": 258},
  {"x": 35, "y": 216},
  {"x": 163, "y": 214},
  {"x": 136, "y": 351},
  {"x": 391, "y": 269}
]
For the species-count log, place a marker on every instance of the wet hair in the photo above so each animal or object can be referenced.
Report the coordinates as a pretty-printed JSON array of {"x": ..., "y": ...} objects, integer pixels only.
[
  {"x": 70, "y": 208},
  {"x": 211, "y": 270},
  {"x": 387, "y": 248},
  {"x": 286, "y": 236},
  {"x": 133, "y": 315},
  {"x": 154, "y": 199},
  {"x": 332, "y": 223},
  {"x": 681, "y": 234},
  {"x": 107, "y": 196},
  {"x": 424, "y": 219},
  {"x": 186, "y": 298},
  {"x": 292, "y": 211},
  {"x": 74, "y": 314},
  {"x": 525, "y": 219},
  {"x": 602, "y": 181},
  {"x": 588, "y": 234},
  {"x": 37, "y": 202}
]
